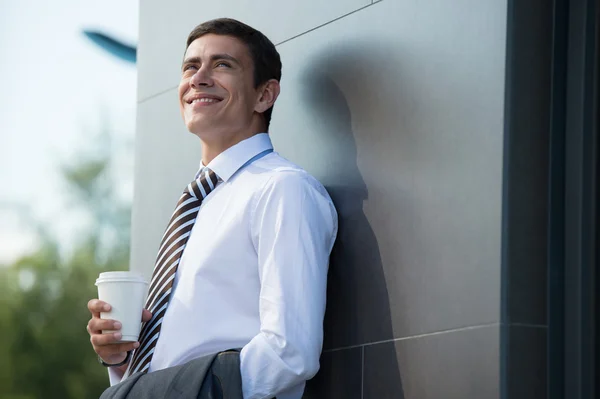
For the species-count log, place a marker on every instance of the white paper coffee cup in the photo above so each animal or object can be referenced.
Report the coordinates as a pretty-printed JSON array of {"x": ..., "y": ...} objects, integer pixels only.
[{"x": 125, "y": 292}]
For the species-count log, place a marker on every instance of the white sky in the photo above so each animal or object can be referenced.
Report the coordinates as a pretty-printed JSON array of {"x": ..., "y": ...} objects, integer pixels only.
[{"x": 56, "y": 88}]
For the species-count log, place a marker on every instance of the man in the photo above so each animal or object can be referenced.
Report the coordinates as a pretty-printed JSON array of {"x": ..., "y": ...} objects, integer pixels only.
[{"x": 252, "y": 273}]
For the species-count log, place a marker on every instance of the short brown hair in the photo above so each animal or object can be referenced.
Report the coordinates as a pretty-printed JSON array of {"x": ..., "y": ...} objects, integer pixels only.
[{"x": 267, "y": 63}]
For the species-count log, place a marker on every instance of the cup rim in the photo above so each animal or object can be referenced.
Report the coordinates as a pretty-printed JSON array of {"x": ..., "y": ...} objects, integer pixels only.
[{"x": 120, "y": 276}]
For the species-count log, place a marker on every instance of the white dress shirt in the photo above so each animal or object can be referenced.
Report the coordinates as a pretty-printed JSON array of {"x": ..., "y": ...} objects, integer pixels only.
[{"x": 253, "y": 274}]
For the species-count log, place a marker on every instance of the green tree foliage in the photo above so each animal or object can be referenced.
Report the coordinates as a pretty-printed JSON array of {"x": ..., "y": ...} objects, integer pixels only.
[{"x": 44, "y": 347}]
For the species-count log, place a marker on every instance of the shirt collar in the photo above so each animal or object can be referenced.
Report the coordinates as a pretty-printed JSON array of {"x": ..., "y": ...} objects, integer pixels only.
[{"x": 229, "y": 161}]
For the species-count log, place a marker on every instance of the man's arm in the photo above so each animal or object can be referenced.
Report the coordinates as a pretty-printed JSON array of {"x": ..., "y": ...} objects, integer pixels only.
[{"x": 294, "y": 227}]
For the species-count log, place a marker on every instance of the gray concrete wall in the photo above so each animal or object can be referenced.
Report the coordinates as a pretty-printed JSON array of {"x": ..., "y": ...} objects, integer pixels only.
[{"x": 397, "y": 107}]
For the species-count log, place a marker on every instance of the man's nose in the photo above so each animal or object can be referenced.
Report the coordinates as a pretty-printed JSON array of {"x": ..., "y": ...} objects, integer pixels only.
[{"x": 201, "y": 78}]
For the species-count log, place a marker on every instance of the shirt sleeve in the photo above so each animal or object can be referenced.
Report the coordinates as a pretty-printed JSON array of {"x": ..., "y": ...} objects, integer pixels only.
[
  {"x": 294, "y": 227},
  {"x": 114, "y": 375}
]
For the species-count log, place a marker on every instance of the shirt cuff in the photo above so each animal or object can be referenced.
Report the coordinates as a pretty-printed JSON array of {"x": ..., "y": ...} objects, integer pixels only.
[
  {"x": 266, "y": 374},
  {"x": 114, "y": 375},
  {"x": 294, "y": 392}
]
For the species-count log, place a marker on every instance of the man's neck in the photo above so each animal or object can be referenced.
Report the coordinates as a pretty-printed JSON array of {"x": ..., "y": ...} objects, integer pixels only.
[
  {"x": 215, "y": 144},
  {"x": 210, "y": 150}
]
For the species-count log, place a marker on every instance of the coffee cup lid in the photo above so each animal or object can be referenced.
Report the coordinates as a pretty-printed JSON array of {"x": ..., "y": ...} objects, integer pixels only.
[{"x": 120, "y": 276}]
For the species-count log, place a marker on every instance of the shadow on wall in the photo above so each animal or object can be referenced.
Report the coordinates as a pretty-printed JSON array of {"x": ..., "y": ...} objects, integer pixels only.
[{"x": 358, "y": 308}]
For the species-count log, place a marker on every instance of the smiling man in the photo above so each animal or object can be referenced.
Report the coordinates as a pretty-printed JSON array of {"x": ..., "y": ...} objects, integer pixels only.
[{"x": 243, "y": 262}]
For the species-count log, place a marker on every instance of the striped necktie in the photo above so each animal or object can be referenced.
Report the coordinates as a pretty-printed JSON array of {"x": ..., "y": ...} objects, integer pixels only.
[{"x": 171, "y": 248}]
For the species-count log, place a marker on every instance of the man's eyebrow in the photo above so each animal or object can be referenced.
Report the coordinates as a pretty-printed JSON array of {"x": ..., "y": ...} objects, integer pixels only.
[
  {"x": 191, "y": 60},
  {"x": 214, "y": 57},
  {"x": 225, "y": 57}
]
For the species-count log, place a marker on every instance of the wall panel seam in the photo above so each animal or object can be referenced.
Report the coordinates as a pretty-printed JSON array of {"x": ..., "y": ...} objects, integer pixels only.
[
  {"x": 326, "y": 23},
  {"x": 157, "y": 94},
  {"x": 453, "y": 330}
]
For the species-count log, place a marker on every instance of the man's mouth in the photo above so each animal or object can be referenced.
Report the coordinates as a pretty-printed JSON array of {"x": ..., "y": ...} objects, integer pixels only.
[{"x": 203, "y": 100}]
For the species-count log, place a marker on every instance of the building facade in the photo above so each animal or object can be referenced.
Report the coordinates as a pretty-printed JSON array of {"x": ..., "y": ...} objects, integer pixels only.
[{"x": 430, "y": 125}]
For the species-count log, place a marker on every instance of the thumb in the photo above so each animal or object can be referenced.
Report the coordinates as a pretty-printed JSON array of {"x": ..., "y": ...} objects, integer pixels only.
[{"x": 146, "y": 315}]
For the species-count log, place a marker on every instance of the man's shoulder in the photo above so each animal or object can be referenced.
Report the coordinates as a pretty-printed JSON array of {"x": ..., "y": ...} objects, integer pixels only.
[
  {"x": 274, "y": 171},
  {"x": 274, "y": 162}
]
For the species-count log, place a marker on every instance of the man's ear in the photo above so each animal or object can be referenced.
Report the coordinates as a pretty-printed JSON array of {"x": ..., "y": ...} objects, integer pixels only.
[{"x": 268, "y": 96}]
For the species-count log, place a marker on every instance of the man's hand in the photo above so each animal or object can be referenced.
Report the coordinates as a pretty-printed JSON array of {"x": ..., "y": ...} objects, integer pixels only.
[{"x": 105, "y": 345}]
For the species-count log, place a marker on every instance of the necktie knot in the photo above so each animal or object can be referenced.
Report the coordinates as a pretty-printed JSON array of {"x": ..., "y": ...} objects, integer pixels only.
[{"x": 206, "y": 182}]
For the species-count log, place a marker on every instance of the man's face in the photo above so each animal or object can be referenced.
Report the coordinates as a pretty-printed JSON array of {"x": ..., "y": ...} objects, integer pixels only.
[{"x": 217, "y": 97}]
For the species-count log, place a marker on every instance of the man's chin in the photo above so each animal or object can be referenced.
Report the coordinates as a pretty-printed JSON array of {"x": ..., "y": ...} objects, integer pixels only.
[
  {"x": 197, "y": 125},
  {"x": 202, "y": 130}
]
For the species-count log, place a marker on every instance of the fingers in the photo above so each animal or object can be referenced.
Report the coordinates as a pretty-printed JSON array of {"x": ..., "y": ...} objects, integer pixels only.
[
  {"x": 115, "y": 353},
  {"x": 107, "y": 345},
  {"x": 105, "y": 339},
  {"x": 146, "y": 315},
  {"x": 96, "y": 325},
  {"x": 95, "y": 306}
]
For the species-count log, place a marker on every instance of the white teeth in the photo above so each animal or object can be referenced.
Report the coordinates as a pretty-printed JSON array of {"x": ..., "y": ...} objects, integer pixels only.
[{"x": 204, "y": 100}]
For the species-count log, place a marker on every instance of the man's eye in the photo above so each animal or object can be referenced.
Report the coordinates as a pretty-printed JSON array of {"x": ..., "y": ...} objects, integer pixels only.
[
  {"x": 223, "y": 64},
  {"x": 188, "y": 67}
]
